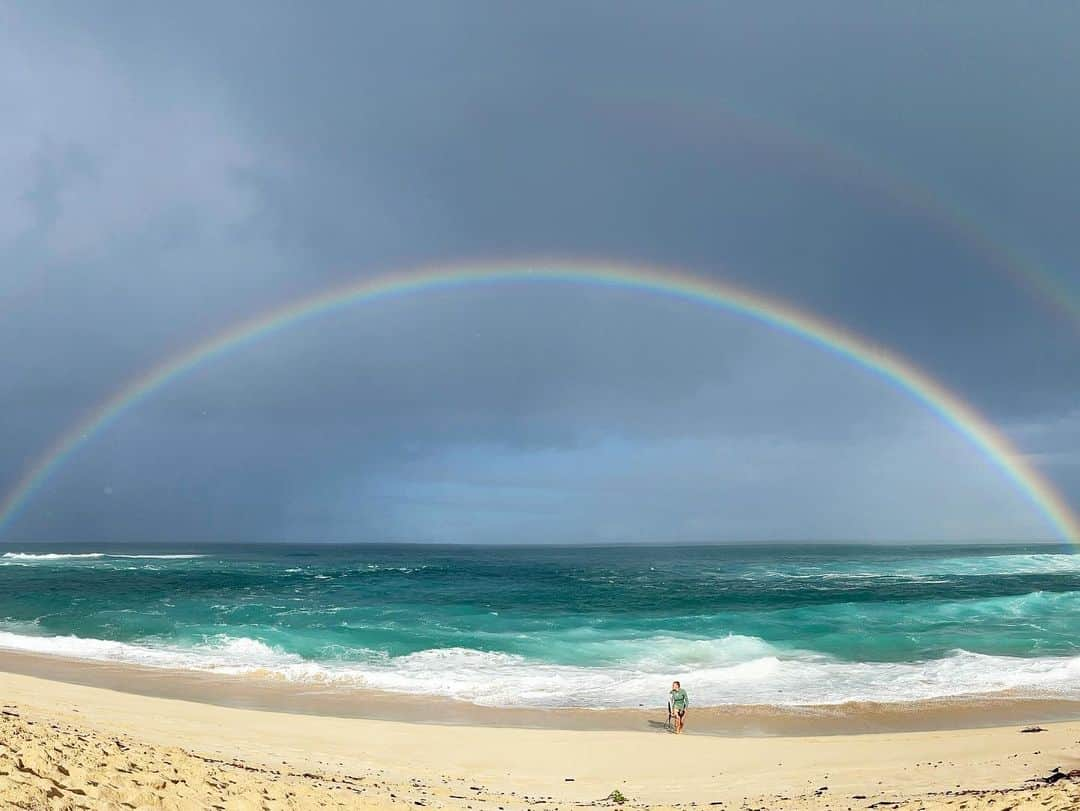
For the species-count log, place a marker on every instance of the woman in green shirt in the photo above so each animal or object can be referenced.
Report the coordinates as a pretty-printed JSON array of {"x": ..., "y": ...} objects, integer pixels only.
[{"x": 679, "y": 702}]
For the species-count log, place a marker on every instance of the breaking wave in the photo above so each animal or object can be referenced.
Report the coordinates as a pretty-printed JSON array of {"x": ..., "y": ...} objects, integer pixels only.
[{"x": 730, "y": 671}]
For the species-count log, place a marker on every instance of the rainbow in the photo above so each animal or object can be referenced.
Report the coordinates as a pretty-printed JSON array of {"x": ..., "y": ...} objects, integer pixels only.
[
  {"x": 901, "y": 373},
  {"x": 847, "y": 164}
]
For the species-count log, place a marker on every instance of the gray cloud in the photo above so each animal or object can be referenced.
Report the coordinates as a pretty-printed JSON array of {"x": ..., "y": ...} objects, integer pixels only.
[{"x": 170, "y": 170}]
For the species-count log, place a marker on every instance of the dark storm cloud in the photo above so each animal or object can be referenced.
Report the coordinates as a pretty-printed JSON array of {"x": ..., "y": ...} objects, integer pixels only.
[
  {"x": 175, "y": 168},
  {"x": 675, "y": 136}
]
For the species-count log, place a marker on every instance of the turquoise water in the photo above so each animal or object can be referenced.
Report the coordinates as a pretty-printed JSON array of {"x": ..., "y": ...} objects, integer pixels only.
[{"x": 569, "y": 626}]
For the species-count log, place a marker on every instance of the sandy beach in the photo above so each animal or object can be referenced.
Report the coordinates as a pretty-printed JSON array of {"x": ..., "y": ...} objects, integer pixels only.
[
  {"x": 426, "y": 405},
  {"x": 75, "y": 746}
]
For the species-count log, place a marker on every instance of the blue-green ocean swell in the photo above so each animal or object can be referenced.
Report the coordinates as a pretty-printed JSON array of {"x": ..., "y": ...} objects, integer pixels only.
[{"x": 569, "y": 626}]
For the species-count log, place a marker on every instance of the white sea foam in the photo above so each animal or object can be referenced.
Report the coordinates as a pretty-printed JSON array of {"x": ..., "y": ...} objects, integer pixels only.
[
  {"x": 501, "y": 679},
  {"x": 926, "y": 570},
  {"x": 732, "y": 670},
  {"x": 57, "y": 556},
  {"x": 51, "y": 556}
]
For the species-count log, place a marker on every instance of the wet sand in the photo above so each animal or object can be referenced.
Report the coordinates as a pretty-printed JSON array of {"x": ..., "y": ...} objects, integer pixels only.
[
  {"x": 277, "y": 695},
  {"x": 72, "y": 746}
]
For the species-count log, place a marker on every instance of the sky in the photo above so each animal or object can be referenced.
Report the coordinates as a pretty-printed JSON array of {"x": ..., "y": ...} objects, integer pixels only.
[{"x": 906, "y": 172}]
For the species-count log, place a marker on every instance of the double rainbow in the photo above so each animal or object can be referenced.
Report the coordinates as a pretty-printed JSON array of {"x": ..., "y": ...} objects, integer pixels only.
[
  {"x": 701, "y": 119},
  {"x": 896, "y": 370}
]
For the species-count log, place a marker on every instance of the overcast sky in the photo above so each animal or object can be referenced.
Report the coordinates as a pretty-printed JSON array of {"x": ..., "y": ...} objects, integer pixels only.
[{"x": 908, "y": 172}]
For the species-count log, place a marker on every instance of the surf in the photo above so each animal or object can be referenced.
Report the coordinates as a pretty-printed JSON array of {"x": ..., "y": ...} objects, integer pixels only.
[{"x": 564, "y": 627}]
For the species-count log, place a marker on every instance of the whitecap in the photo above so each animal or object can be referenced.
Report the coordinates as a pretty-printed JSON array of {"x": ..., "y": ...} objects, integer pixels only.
[{"x": 728, "y": 671}]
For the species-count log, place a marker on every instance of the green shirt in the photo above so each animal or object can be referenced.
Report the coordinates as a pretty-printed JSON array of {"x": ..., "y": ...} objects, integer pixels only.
[{"x": 679, "y": 699}]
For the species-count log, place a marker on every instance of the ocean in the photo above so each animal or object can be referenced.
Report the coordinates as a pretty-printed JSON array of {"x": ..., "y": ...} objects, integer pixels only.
[{"x": 569, "y": 626}]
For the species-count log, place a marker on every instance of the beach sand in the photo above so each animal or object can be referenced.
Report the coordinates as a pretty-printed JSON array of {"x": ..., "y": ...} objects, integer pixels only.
[{"x": 75, "y": 746}]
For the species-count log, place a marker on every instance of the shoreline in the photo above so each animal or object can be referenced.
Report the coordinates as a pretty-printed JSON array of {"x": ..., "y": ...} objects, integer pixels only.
[
  {"x": 268, "y": 694},
  {"x": 100, "y": 748}
]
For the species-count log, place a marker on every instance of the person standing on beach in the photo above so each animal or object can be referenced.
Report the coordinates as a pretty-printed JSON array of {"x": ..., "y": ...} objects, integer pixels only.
[{"x": 679, "y": 702}]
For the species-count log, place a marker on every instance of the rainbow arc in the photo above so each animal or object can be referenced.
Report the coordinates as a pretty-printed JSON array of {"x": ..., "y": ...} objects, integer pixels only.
[{"x": 898, "y": 371}]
